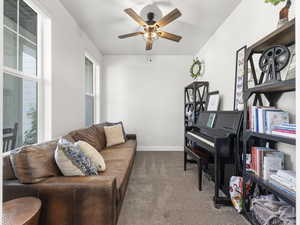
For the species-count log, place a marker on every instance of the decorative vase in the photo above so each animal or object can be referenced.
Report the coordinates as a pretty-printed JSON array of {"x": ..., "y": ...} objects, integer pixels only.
[{"x": 284, "y": 14}]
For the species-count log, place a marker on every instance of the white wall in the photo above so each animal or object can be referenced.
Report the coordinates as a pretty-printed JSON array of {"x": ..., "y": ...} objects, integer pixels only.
[
  {"x": 148, "y": 97},
  {"x": 69, "y": 45},
  {"x": 250, "y": 21}
]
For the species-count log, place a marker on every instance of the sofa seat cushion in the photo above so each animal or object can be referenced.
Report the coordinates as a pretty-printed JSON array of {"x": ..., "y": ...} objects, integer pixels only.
[
  {"x": 89, "y": 135},
  {"x": 118, "y": 164},
  {"x": 130, "y": 143}
]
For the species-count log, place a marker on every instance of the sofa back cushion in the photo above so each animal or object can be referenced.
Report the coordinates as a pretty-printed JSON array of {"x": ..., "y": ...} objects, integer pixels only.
[
  {"x": 89, "y": 135},
  {"x": 101, "y": 134},
  {"x": 35, "y": 163},
  {"x": 8, "y": 172},
  {"x": 114, "y": 135}
]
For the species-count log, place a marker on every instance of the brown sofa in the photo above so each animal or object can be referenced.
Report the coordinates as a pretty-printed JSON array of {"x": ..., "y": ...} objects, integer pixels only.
[{"x": 93, "y": 200}]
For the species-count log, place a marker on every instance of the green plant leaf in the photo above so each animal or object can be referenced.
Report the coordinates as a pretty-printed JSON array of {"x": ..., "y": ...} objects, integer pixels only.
[{"x": 274, "y": 2}]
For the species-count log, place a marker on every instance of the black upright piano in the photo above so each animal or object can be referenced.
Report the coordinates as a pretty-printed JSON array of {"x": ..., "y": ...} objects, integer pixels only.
[{"x": 217, "y": 133}]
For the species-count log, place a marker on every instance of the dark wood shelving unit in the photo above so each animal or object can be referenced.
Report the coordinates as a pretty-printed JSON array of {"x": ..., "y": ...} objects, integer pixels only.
[
  {"x": 284, "y": 35},
  {"x": 195, "y": 97},
  {"x": 284, "y": 195},
  {"x": 270, "y": 137},
  {"x": 195, "y": 100}
]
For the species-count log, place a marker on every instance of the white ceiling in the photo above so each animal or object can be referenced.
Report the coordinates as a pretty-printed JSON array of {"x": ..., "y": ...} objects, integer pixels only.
[{"x": 104, "y": 20}]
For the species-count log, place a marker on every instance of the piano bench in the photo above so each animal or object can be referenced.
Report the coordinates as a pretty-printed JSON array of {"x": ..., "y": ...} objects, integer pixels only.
[{"x": 202, "y": 158}]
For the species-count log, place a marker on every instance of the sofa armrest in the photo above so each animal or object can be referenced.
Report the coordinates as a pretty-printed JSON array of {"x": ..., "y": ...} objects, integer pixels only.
[
  {"x": 131, "y": 136},
  {"x": 71, "y": 200}
]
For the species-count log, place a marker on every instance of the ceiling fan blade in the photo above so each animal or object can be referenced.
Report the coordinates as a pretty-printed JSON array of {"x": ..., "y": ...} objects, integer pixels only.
[
  {"x": 135, "y": 16},
  {"x": 130, "y": 35},
  {"x": 169, "y": 36},
  {"x": 173, "y": 15},
  {"x": 148, "y": 44}
]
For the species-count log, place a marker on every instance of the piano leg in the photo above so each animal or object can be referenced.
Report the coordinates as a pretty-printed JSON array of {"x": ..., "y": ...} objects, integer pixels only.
[
  {"x": 219, "y": 170},
  {"x": 199, "y": 174},
  {"x": 217, "y": 178}
]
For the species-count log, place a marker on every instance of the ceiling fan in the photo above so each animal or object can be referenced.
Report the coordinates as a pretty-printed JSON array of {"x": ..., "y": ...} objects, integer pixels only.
[{"x": 151, "y": 28}]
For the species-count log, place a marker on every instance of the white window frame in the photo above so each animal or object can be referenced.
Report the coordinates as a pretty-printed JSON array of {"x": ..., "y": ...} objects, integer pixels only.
[
  {"x": 43, "y": 73},
  {"x": 96, "y": 87}
]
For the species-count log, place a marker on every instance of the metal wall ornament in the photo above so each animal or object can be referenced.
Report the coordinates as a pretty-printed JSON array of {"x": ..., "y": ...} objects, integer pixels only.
[
  {"x": 272, "y": 61},
  {"x": 197, "y": 68},
  {"x": 239, "y": 79}
]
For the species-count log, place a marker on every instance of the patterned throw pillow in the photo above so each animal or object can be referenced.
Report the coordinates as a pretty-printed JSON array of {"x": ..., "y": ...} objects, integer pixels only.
[
  {"x": 92, "y": 154},
  {"x": 73, "y": 162}
]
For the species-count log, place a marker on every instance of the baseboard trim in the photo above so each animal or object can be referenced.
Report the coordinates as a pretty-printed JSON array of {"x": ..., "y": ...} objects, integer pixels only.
[{"x": 160, "y": 148}]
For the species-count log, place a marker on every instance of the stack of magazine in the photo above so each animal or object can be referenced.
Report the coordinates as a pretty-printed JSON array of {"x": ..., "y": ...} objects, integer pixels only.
[
  {"x": 285, "y": 129},
  {"x": 285, "y": 180}
]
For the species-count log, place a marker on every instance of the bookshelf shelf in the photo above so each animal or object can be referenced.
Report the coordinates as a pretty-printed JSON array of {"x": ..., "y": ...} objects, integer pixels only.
[
  {"x": 285, "y": 35},
  {"x": 270, "y": 137},
  {"x": 280, "y": 86},
  {"x": 284, "y": 195}
]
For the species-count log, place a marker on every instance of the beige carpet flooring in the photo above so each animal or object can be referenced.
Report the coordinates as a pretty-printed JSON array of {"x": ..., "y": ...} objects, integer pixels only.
[{"x": 161, "y": 193}]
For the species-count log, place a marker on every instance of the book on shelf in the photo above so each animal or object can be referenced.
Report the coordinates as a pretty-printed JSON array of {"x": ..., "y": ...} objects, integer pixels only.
[
  {"x": 282, "y": 188},
  {"x": 272, "y": 162},
  {"x": 286, "y": 130},
  {"x": 284, "y": 134},
  {"x": 265, "y": 161},
  {"x": 262, "y": 119},
  {"x": 285, "y": 180},
  {"x": 287, "y": 174},
  {"x": 285, "y": 183}
]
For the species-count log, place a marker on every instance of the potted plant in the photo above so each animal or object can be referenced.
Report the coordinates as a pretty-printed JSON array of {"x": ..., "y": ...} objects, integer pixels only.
[{"x": 284, "y": 12}]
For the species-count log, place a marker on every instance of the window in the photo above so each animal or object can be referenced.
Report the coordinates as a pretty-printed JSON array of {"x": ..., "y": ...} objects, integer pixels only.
[
  {"x": 89, "y": 92},
  {"x": 92, "y": 91},
  {"x": 22, "y": 79}
]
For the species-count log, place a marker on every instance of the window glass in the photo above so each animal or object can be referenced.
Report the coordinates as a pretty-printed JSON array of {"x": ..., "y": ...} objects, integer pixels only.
[
  {"x": 20, "y": 95},
  {"x": 20, "y": 106},
  {"x": 10, "y": 49},
  {"x": 88, "y": 76},
  {"x": 10, "y": 14},
  {"x": 28, "y": 22},
  {"x": 27, "y": 57},
  {"x": 89, "y": 110}
]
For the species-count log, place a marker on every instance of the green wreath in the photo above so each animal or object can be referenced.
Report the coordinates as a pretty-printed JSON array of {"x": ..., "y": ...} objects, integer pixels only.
[{"x": 196, "y": 69}]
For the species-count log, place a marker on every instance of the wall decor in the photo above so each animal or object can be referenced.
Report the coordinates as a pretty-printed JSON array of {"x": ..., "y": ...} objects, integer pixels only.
[
  {"x": 239, "y": 79},
  {"x": 213, "y": 101},
  {"x": 283, "y": 13},
  {"x": 197, "y": 68},
  {"x": 272, "y": 61}
]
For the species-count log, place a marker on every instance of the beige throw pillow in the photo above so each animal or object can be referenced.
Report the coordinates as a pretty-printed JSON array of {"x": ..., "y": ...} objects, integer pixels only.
[
  {"x": 114, "y": 135},
  {"x": 93, "y": 154}
]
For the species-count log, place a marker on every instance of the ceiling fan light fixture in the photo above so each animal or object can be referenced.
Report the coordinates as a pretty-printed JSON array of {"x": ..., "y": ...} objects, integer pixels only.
[
  {"x": 150, "y": 29},
  {"x": 150, "y": 35}
]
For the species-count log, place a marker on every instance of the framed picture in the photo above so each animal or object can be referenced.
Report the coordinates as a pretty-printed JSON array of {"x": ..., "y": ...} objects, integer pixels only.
[
  {"x": 239, "y": 79},
  {"x": 213, "y": 100}
]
